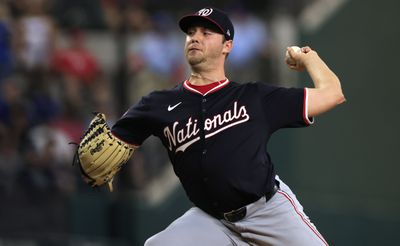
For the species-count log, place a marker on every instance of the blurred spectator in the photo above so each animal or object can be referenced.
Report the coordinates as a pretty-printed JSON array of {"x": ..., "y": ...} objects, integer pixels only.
[
  {"x": 138, "y": 19},
  {"x": 13, "y": 128},
  {"x": 70, "y": 125},
  {"x": 86, "y": 14},
  {"x": 76, "y": 60},
  {"x": 112, "y": 14},
  {"x": 78, "y": 71},
  {"x": 121, "y": 15},
  {"x": 44, "y": 105},
  {"x": 103, "y": 99},
  {"x": 6, "y": 62},
  {"x": 37, "y": 177},
  {"x": 155, "y": 57},
  {"x": 158, "y": 49},
  {"x": 16, "y": 7},
  {"x": 252, "y": 43},
  {"x": 13, "y": 113},
  {"x": 47, "y": 156},
  {"x": 35, "y": 36}
]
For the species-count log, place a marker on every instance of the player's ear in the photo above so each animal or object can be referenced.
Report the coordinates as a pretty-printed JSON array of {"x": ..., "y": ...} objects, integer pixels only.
[{"x": 228, "y": 46}]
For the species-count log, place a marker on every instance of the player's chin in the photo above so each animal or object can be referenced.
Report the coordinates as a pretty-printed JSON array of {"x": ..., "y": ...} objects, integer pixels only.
[{"x": 194, "y": 60}]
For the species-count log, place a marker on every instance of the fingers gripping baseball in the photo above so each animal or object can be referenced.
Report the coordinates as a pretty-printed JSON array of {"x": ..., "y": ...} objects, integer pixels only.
[{"x": 295, "y": 56}]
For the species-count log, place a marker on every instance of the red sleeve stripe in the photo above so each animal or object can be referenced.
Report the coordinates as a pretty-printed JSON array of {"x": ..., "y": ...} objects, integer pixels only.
[{"x": 307, "y": 120}]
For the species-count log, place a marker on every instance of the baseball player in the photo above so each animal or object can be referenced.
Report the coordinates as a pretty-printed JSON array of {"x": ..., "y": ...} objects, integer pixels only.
[{"x": 216, "y": 132}]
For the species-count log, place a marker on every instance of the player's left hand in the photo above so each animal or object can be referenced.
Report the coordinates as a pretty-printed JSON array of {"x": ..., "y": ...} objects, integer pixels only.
[
  {"x": 296, "y": 58},
  {"x": 100, "y": 155}
]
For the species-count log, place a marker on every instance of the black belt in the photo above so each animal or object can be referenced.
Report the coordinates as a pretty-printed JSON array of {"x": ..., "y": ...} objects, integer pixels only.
[{"x": 239, "y": 214}]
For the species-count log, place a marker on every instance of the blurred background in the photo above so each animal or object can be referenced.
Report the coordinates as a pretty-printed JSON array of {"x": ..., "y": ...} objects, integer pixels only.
[{"x": 60, "y": 60}]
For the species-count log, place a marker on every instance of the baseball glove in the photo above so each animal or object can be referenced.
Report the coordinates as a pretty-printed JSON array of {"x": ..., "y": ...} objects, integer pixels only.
[{"x": 100, "y": 155}]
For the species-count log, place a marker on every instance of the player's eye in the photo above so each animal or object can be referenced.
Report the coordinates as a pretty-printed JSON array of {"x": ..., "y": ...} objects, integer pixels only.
[{"x": 207, "y": 32}]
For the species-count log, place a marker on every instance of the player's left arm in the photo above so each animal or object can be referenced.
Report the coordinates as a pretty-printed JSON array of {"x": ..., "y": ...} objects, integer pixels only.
[{"x": 327, "y": 92}]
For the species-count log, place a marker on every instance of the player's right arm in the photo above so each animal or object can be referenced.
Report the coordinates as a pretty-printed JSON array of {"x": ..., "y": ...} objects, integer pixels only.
[{"x": 327, "y": 92}]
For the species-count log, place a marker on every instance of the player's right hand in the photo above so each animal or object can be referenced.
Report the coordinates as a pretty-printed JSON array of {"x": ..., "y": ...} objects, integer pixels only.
[{"x": 296, "y": 59}]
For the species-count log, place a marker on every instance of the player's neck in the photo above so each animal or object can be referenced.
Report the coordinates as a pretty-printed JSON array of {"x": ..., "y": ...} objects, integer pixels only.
[{"x": 204, "y": 78}]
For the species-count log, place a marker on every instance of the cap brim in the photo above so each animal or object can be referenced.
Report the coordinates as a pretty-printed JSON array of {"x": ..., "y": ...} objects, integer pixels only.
[{"x": 189, "y": 20}]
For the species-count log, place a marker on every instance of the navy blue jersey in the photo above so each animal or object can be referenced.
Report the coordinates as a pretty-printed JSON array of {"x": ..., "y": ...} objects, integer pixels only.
[{"x": 217, "y": 142}]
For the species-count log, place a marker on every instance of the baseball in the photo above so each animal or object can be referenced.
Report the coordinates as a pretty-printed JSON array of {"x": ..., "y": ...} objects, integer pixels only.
[
  {"x": 289, "y": 58},
  {"x": 295, "y": 48}
]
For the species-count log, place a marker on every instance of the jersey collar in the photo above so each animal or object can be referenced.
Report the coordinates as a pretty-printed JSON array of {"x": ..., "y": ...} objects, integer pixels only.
[{"x": 211, "y": 88}]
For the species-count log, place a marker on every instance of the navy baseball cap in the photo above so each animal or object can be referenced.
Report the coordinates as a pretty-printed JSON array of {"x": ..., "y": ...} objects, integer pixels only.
[{"x": 214, "y": 16}]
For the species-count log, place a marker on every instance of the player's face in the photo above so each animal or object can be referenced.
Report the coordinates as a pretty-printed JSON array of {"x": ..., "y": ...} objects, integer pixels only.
[{"x": 203, "y": 44}]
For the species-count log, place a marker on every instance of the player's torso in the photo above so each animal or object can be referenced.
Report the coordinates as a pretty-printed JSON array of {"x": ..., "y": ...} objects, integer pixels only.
[{"x": 216, "y": 141}]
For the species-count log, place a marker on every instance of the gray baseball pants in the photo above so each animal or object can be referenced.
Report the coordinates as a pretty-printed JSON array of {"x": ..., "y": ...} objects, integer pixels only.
[{"x": 277, "y": 222}]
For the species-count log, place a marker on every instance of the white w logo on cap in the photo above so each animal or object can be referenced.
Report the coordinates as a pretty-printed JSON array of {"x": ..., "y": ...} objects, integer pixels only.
[{"x": 205, "y": 12}]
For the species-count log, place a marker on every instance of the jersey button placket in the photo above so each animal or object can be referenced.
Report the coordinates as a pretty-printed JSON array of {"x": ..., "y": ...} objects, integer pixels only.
[
  {"x": 204, "y": 149},
  {"x": 203, "y": 105},
  {"x": 204, "y": 110}
]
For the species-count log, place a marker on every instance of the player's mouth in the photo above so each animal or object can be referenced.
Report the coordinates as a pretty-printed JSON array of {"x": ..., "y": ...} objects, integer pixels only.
[{"x": 193, "y": 50}]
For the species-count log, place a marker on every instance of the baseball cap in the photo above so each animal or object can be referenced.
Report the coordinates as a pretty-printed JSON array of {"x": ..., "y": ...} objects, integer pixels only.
[{"x": 214, "y": 16}]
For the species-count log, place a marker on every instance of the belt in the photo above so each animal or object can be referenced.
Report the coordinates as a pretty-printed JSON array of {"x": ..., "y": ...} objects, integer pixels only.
[{"x": 239, "y": 214}]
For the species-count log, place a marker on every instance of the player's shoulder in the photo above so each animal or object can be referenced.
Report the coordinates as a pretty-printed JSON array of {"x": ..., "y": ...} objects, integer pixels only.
[{"x": 157, "y": 95}]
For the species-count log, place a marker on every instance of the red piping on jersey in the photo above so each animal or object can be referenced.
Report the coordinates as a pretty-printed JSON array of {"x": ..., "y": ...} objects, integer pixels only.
[
  {"x": 205, "y": 89},
  {"x": 306, "y": 221},
  {"x": 306, "y": 119}
]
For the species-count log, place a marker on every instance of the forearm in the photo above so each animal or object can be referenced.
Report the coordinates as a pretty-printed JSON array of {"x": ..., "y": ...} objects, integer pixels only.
[
  {"x": 327, "y": 92},
  {"x": 321, "y": 75}
]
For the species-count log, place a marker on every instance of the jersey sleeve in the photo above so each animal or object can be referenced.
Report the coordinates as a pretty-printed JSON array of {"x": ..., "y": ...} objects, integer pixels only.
[
  {"x": 285, "y": 107},
  {"x": 135, "y": 125}
]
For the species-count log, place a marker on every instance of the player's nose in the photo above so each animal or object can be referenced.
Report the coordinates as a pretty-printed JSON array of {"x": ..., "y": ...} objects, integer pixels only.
[
  {"x": 195, "y": 36},
  {"x": 193, "y": 39}
]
